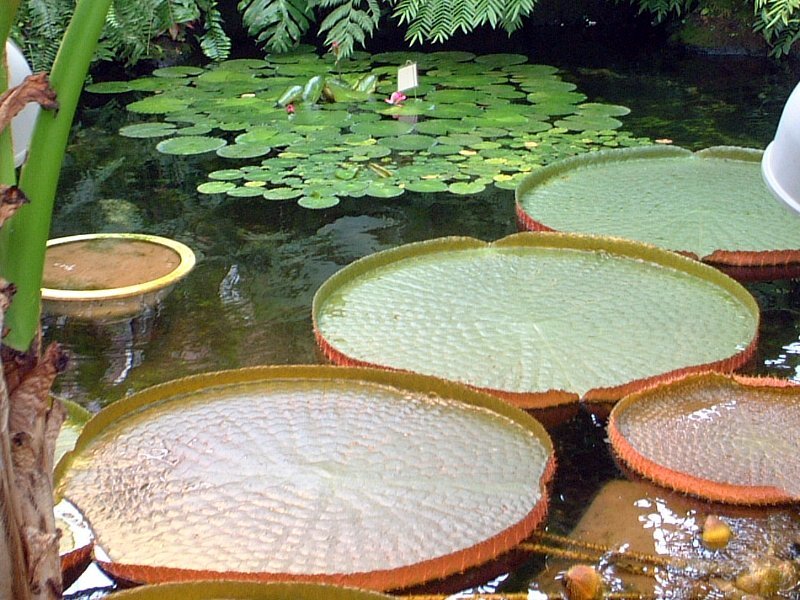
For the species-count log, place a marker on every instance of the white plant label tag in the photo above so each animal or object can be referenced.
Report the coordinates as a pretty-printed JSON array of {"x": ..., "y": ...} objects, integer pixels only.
[{"x": 407, "y": 77}]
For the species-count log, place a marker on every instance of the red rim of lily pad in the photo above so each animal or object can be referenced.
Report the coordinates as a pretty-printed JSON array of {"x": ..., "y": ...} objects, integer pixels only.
[
  {"x": 553, "y": 397},
  {"x": 743, "y": 265},
  {"x": 715, "y": 490},
  {"x": 403, "y": 576}
]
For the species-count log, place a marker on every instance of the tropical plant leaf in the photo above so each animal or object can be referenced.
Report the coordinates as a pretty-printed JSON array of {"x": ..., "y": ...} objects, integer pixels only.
[{"x": 277, "y": 25}]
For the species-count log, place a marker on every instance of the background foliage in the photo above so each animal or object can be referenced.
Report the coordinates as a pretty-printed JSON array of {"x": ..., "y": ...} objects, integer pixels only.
[{"x": 139, "y": 29}]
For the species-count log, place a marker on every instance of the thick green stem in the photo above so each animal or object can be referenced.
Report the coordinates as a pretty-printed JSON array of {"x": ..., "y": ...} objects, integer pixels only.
[
  {"x": 8, "y": 174},
  {"x": 23, "y": 239}
]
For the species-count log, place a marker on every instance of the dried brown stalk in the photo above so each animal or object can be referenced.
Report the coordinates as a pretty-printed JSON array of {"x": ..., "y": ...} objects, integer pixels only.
[{"x": 30, "y": 566}]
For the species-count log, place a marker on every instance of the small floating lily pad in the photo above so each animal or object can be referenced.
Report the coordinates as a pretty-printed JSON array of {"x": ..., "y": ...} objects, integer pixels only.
[
  {"x": 190, "y": 144},
  {"x": 148, "y": 130},
  {"x": 712, "y": 204},
  {"x": 243, "y": 150},
  {"x": 737, "y": 437},
  {"x": 537, "y": 318},
  {"x": 158, "y": 105},
  {"x": 109, "y": 87},
  {"x": 216, "y": 187},
  {"x": 174, "y": 485}
]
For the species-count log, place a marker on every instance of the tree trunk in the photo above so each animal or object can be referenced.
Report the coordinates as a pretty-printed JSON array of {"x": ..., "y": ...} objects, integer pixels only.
[{"x": 29, "y": 425}]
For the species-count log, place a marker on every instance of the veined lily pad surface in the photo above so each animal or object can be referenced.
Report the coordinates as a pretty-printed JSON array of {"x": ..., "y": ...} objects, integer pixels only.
[
  {"x": 728, "y": 439},
  {"x": 353, "y": 476},
  {"x": 538, "y": 318},
  {"x": 471, "y": 123},
  {"x": 712, "y": 204}
]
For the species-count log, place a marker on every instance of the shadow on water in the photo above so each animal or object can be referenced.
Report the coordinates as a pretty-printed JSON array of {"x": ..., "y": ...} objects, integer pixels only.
[{"x": 248, "y": 301}]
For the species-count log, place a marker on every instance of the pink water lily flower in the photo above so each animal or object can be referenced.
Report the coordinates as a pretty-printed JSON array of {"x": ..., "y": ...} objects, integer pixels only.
[
  {"x": 290, "y": 109},
  {"x": 396, "y": 98}
]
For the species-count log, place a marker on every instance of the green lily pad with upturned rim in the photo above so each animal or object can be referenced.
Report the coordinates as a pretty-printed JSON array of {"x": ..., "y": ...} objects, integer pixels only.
[
  {"x": 712, "y": 204},
  {"x": 347, "y": 479},
  {"x": 243, "y": 150},
  {"x": 737, "y": 437},
  {"x": 282, "y": 193},
  {"x": 246, "y": 590},
  {"x": 177, "y": 71},
  {"x": 318, "y": 202},
  {"x": 539, "y": 319}
]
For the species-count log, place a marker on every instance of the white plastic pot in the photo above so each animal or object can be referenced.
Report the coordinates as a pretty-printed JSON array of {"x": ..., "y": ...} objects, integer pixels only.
[
  {"x": 22, "y": 125},
  {"x": 780, "y": 165}
]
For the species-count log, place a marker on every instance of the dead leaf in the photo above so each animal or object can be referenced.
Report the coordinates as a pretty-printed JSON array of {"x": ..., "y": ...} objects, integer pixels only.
[
  {"x": 11, "y": 198},
  {"x": 34, "y": 88}
]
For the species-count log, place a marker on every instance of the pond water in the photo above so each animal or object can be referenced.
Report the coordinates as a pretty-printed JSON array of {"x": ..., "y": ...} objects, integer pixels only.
[{"x": 248, "y": 300}]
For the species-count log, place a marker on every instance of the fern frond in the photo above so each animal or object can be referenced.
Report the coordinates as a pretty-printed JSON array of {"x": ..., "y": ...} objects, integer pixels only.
[
  {"x": 276, "y": 24},
  {"x": 214, "y": 42}
]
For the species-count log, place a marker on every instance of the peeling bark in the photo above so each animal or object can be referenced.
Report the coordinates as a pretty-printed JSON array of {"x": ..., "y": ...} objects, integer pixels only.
[
  {"x": 30, "y": 566},
  {"x": 34, "y": 88}
]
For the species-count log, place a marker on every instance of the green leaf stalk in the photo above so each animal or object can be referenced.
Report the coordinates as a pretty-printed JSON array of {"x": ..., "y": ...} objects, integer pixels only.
[{"x": 24, "y": 237}]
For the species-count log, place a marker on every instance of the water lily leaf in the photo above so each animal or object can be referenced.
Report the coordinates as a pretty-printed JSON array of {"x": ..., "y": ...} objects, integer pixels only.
[
  {"x": 712, "y": 204},
  {"x": 258, "y": 135},
  {"x": 318, "y": 202},
  {"x": 310, "y": 116},
  {"x": 155, "y": 84},
  {"x": 190, "y": 144},
  {"x": 382, "y": 485},
  {"x": 447, "y": 56},
  {"x": 456, "y": 96},
  {"x": 445, "y": 149},
  {"x": 454, "y": 111},
  {"x": 609, "y": 110},
  {"x": 245, "y": 192},
  {"x": 147, "y": 130},
  {"x": 282, "y": 193},
  {"x": 739, "y": 448},
  {"x": 177, "y": 71},
  {"x": 583, "y": 122},
  {"x": 436, "y": 126},
  {"x": 409, "y": 108},
  {"x": 426, "y": 186},
  {"x": 243, "y": 150},
  {"x": 501, "y": 60},
  {"x": 109, "y": 87},
  {"x": 380, "y": 189},
  {"x": 243, "y": 64},
  {"x": 215, "y": 187},
  {"x": 157, "y": 105},
  {"x": 460, "y": 139},
  {"x": 245, "y": 590},
  {"x": 408, "y": 142},
  {"x": 216, "y": 77},
  {"x": 530, "y": 71},
  {"x": 399, "y": 58},
  {"x": 193, "y": 130},
  {"x": 77, "y": 417},
  {"x": 466, "y": 188},
  {"x": 226, "y": 174},
  {"x": 524, "y": 327},
  {"x": 383, "y": 128}
]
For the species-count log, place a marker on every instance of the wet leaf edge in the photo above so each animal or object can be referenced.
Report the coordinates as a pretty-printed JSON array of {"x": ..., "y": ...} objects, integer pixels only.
[
  {"x": 715, "y": 491},
  {"x": 622, "y": 247},
  {"x": 380, "y": 580},
  {"x": 742, "y": 265}
]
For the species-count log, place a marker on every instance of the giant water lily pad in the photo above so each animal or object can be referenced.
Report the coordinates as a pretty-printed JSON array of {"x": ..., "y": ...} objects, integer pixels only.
[
  {"x": 537, "y": 318},
  {"x": 239, "y": 590},
  {"x": 357, "y": 476},
  {"x": 712, "y": 204},
  {"x": 721, "y": 438},
  {"x": 483, "y": 98}
]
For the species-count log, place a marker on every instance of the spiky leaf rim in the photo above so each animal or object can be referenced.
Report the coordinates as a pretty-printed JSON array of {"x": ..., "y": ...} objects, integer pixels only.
[
  {"x": 405, "y": 576},
  {"x": 743, "y": 265},
  {"x": 686, "y": 483},
  {"x": 547, "y": 239}
]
